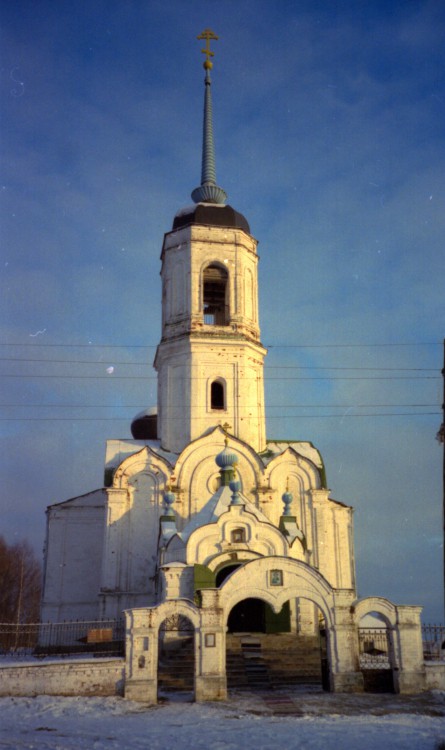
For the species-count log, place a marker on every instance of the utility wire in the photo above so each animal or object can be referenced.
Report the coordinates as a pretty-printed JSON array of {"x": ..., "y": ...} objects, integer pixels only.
[
  {"x": 112, "y": 376},
  {"x": 280, "y": 416},
  {"x": 269, "y": 346},
  {"x": 267, "y": 367},
  {"x": 175, "y": 406}
]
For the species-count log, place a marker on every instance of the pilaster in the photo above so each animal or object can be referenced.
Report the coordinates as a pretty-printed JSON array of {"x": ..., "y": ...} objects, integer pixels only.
[
  {"x": 409, "y": 667},
  {"x": 211, "y": 680},
  {"x": 141, "y": 648},
  {"x": 345, "y": 675}
]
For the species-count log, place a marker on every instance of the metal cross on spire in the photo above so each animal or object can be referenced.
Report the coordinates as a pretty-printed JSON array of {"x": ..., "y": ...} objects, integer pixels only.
[
  {"x": 207, "y": 34},
  {"x": 208, "y": 191}
]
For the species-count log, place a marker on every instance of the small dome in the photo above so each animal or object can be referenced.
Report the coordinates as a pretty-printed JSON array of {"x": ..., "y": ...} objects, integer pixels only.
[
  {"x": 169, "y": 499},
  {"x": 226, "y": 458},
  {"x": 145, "y": 424},
  {"x": 287, "y": 498},
  {"x": 212, "y": 215}
]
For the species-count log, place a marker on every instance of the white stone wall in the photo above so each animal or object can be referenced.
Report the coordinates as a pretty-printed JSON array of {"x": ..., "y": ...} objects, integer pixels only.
[
  {"x": 73, "y": 558},
  {"x": 134, "y": 508},
  {"x": 435, "y": 675},
  {"x": 192, "y": 354},
  {"x": 90, "y": 677},
  {"x": 333, "y": 555}
]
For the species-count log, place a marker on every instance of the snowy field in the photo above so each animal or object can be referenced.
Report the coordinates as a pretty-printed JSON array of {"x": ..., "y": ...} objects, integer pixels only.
[{"x": 324, "y": 722}]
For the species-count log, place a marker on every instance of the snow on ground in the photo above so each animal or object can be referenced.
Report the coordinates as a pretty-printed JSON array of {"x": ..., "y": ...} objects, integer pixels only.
[{"x": 318, "y": 722}]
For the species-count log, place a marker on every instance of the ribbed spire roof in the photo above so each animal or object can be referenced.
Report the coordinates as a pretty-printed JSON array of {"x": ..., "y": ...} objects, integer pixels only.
[{"x": 208, "y": 191}]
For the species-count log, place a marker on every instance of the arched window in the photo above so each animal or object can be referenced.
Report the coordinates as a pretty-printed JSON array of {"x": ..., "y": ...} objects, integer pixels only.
[
  {"x": 215, "y": 296},
  {"x": 217, "y": 395}
]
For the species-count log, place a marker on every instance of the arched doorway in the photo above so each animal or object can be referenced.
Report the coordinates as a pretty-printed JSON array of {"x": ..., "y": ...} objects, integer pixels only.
[
  {"x": 176, "y": 657},
  {"x": 248, "y": 616}
]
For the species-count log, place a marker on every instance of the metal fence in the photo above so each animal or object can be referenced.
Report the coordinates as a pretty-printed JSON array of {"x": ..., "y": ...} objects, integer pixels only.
[
  {"x": 374, "y": 648},
  {"x": 433, "y": 642},
  {"x": 80, "y": 637},
  {"x": 107, "y": 638}
]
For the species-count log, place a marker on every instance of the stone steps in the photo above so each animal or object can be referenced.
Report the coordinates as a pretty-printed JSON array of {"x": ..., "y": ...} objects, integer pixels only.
[
  {"x": 266, "y": 662},
  {"x": 254, "y": 662}
]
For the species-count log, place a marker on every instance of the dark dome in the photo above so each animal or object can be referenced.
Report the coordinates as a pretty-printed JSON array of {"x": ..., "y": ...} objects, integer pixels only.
[
  {"x": 145, "y": 425},
  {"x": 210, "y": 214}
]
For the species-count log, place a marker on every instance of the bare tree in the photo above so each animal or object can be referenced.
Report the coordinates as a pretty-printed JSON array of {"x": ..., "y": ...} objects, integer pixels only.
[{"x": 20, "y": 583}]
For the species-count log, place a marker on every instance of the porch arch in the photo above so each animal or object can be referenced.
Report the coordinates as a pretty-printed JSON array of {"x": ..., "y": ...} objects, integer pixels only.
[
  {"x": 253, "y": 580},
  {"x": 277, "y": 582}
]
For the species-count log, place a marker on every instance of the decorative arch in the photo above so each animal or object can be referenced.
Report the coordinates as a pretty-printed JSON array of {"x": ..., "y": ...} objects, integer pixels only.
[
  {"x": 166, "y": 301},
  {"x": 386, "y": 609},
  {"x": 249, "y": 295},
  {"x": 132, "y": 528},
  {"x": 261, "y": 537},
  {"x": 143, "y": 460},
  {"x": 224, "y": 559},
  {"x": 196, "y": 470},
  {"x": 302, "y": 466},
  {"x": 302, "y": 475},
  {"x": 178, "y": 293},
  {"x": 182, "y": 607}
]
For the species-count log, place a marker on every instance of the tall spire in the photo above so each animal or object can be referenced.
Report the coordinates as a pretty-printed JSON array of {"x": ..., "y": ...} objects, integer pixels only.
[{"x": 208, "y": 191}]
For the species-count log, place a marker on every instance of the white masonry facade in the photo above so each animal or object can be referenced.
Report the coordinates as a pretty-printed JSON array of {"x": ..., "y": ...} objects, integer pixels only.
[{"x": 202, "y": 520}]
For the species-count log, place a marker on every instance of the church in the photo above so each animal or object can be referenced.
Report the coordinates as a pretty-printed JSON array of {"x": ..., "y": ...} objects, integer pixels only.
[{"x": 205, "y": 531}]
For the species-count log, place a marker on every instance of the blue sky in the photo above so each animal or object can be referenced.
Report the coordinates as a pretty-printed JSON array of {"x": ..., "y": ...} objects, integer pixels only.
[{"x": 329, "y": 129}]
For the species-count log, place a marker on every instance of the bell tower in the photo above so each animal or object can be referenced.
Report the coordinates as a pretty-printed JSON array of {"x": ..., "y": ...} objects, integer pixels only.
[{"x": 210, "y": 358}]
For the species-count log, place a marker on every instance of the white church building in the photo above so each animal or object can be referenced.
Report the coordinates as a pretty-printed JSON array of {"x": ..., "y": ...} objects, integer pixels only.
[{"x": 206, "y": 531}]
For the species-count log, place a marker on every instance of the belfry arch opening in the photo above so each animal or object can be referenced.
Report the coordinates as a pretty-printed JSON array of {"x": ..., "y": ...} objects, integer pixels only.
[{"x": 215, "y": 295}]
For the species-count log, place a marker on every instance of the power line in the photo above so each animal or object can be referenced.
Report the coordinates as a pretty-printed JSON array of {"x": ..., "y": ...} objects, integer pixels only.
[
  {"x": 85, "y": 346},
  {"x": 112, "y": 376},
  {"x": 269, "y": 406},
  {"x": 267, "y": 367},
  {"x": 368, "y": 369},
  {"x": 279, "y": 416},
  {"x": 269, "y": 346}
]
